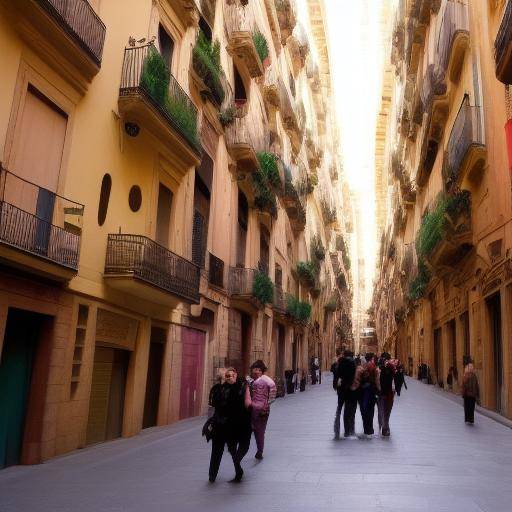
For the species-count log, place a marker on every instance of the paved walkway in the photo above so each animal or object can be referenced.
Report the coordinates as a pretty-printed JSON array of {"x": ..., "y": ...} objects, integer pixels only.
[{"x": 432, "y": 462}]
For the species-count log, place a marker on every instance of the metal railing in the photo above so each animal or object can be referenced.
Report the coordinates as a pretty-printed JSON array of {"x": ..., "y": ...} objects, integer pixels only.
[
  {"x": 239, "y": 18},
  {"x": 455, "y": 20},
  {"x": 144, "y": 259},
  {"x": 79, "y": 19},
  {"x": 177, "y": 108},
  {"x": 280, "y": 300},
  {"x": 504, "y": 36},
  {"x": 38, "y": 221},
  {"x": 241, "y": 280},
  {"x": 216, "y": 271},
  {"x": 468, "y": 130}
]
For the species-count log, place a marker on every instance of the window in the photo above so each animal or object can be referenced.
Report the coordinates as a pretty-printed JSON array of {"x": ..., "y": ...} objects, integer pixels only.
[
  {"x": 106, "y": 186},
  {"x": 203, "y": 25},
  {"x": 240, "y": 93},
  {"x": 166, "y": 45}
]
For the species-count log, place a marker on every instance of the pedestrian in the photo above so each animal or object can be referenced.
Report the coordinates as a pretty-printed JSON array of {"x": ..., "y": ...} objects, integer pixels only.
[
  {"x": 230, "y": 423},
  {"x": 470, "y": 392},
  {"x": 345, "y": 373},
  {"x": 387, "y": 371},
  {"x": 399, "y": 378},
  {"x": 369, "y": 389},
  {"x": 263, "y": 393},
  {"x": 334, "y": 366}
]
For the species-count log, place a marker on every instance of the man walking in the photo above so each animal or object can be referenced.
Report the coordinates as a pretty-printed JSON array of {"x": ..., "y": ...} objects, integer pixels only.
[
  {"x": 345, "y": 372},
  {"x": 387, "y": 371},
  {"x": 369, "y": 389}
]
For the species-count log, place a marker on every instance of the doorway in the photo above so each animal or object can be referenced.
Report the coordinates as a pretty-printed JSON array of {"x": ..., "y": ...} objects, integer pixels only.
[
  {"x": 438, "y": 357},
  {"x": 23, "y": 372},
  {"x": 494, "y": 310},
  {"x": 154, "y": 377},
  {"x": 106, "y": 405}
]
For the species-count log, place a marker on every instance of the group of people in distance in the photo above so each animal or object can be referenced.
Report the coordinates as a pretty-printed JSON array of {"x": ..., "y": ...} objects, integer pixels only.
[
  {"x": 241, "y": 407},
  {"x": 368, "y": 381}
]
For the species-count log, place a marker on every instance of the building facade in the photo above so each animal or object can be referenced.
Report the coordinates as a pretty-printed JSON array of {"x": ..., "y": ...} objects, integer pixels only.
[
  {"x": 443, "y": 291},
  {"x": 170, "y": 206}
]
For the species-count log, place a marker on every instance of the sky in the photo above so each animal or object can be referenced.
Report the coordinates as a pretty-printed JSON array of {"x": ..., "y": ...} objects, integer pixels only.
[{"x": 356, "y": 66}]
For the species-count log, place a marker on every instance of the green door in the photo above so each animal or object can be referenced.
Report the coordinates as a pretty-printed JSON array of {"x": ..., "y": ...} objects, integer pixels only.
[{"x": 15, "y": 372}]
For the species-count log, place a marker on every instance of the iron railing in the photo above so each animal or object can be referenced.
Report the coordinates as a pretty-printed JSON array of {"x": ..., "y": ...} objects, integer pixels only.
[
  {"x": 241, "y": 280},
  {"x": 504, "y": 37},
  {"x": 280, "y": 300},
  {"x": 467, "y": 131},
  {"x": 216, "y": 271},
  {"x": 38, "y": 221},
  {"x": 148, "y": 261},
  {"x": 455, "y": 20},
  {"x": 78, "y": 18},
  {"x": 179, "y": 111},
  {"x": 239, "y": 18}
]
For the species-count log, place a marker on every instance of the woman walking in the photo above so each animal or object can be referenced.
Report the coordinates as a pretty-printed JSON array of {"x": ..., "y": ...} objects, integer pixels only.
[
  {"x": 399, "y": 378},
  {"x": 470, "y": 392},
  {"x": 231, "y": 423},
  {"x": 263, "y": 393}
]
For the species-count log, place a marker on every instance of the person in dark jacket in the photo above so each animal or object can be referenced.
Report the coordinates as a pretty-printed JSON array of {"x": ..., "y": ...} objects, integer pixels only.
[
  {"x": 470, "y": 393},
  {"x": 399, "y": 379},
  {"x": 387, "y": 370},
  {"x": 369, "y": 389},
  {"x": 345, "y": 372},
  {"x": 231, "y": 423}
]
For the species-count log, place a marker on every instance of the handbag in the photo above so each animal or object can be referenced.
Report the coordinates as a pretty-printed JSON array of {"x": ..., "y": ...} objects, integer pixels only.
[{"x": 208, "y": 429}]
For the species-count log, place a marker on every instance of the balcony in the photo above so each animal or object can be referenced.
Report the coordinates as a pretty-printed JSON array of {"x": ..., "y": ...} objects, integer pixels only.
[
  {"x": 466, "y": 151},
  {"x": 398, "y": 37},
  {"x": 273, "y": 20},
  {"x": 241, "y": 29},
  {"x": 503, "y": 47},
  {"x": 313, "y": 152},
  {"x": 453, "y": 39},
  {"x": 40, "y": 231},
  {"x": 139, "y": 266},
  {"x": 187, "y": 11},
  {"x": 292, "y": 200},
  {"x": 286, "y": 17},
  {"x": 298, "y": 48},
  {"x": 280, "y": 303},
  {"x": 245, "y": 136},
  {"x": 155, "y": 101},
  {"x": 216, "y": 271},
  {"x": 68, "y": 34},
  {"x": 293, "y": 116},
  {"x": 242, "y": 288},
  {"x": 271, "y": 87},
  {"x": 455, "y": 237}
]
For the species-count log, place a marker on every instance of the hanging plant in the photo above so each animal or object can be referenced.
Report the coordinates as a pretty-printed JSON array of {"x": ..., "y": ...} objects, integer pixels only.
[{"x": 263, "y": 288}]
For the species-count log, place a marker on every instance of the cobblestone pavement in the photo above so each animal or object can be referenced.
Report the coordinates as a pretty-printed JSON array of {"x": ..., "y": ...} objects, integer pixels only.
[{"x": 431, "y": 462}]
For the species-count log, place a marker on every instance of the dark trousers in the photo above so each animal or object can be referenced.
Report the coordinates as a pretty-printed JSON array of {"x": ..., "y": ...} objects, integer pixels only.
[
  {"x": 347, "y": 399},
  {"x": 238, "y": 448},
  {"x": 367, "y": 407},
  {"x": 385, "y": 405},
  {"x": 469, "y": 409}
]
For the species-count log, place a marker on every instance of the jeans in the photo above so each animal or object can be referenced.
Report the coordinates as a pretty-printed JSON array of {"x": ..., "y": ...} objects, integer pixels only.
[
  {"x": 367, "y": 407},
  {"x": 385, "y": 405},
  {"x": 238, "y": 448},
  {"x": 349, "y": 400},
  {"x": 259, "y": 426},
  {"x": 469, "y": 409}
]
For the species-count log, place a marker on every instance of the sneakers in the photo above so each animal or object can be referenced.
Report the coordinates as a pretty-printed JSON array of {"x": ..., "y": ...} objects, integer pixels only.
[{"x": 259, "y": 455}]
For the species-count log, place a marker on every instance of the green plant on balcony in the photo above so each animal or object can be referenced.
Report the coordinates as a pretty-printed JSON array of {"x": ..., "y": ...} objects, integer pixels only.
[
  {"x": 317, "y": 248},
  {"x": 155, "y": 80},
  {"x": 264, "y": 196},
  {"x": 331, "y": 305},
  {"x": 419, "y": 284},
  {"x": 206, "y": 62},
  {"x": 307, "y": 271},
  {"x": 261, "y": 45},
  {"x": 263, "y": 288},
  {"x": 299, "y": 311},
  {"x": 341, "y": 280},
  {"x": 328, "y": 212},
  {"x": 227, "y": 116},
  {"x": 269, "y": 167}
]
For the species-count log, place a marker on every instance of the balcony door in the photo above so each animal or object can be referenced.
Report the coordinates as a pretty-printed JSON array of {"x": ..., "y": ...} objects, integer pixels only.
[
  {"x": 202, "y": 197},
  {"x": 36, "y": 159},
  {"x": 163, "y": 215}
]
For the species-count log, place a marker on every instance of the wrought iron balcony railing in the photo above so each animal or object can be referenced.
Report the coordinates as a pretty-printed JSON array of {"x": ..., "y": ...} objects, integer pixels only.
[
  {"x": 144, "y": 259},
  {"x": 38, "y": 221},
  {"x": 78, "y": 18},
  {"x": 467, "y": 134},
  {"x": 174, "y": 106},
  {"x": 280, "y": 302},
  {"x": 503, "y": 47},
  {"x": 241, "y": 281}
]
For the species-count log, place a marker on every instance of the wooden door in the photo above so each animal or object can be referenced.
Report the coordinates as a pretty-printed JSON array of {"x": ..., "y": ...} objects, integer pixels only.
[
  {"x": 16, "y": 364},
  {"x": 193, "y": 343},
  {"x": 156, "y": 356}
]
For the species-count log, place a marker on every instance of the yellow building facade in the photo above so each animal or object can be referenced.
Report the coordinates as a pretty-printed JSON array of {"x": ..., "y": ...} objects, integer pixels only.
[
  {"x": 442, "y": 294},
  {"x": 171, "y": 206}
]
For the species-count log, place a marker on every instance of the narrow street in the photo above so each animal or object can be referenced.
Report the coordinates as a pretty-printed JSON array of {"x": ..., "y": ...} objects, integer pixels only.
[{"x": 432, "y": 462}]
